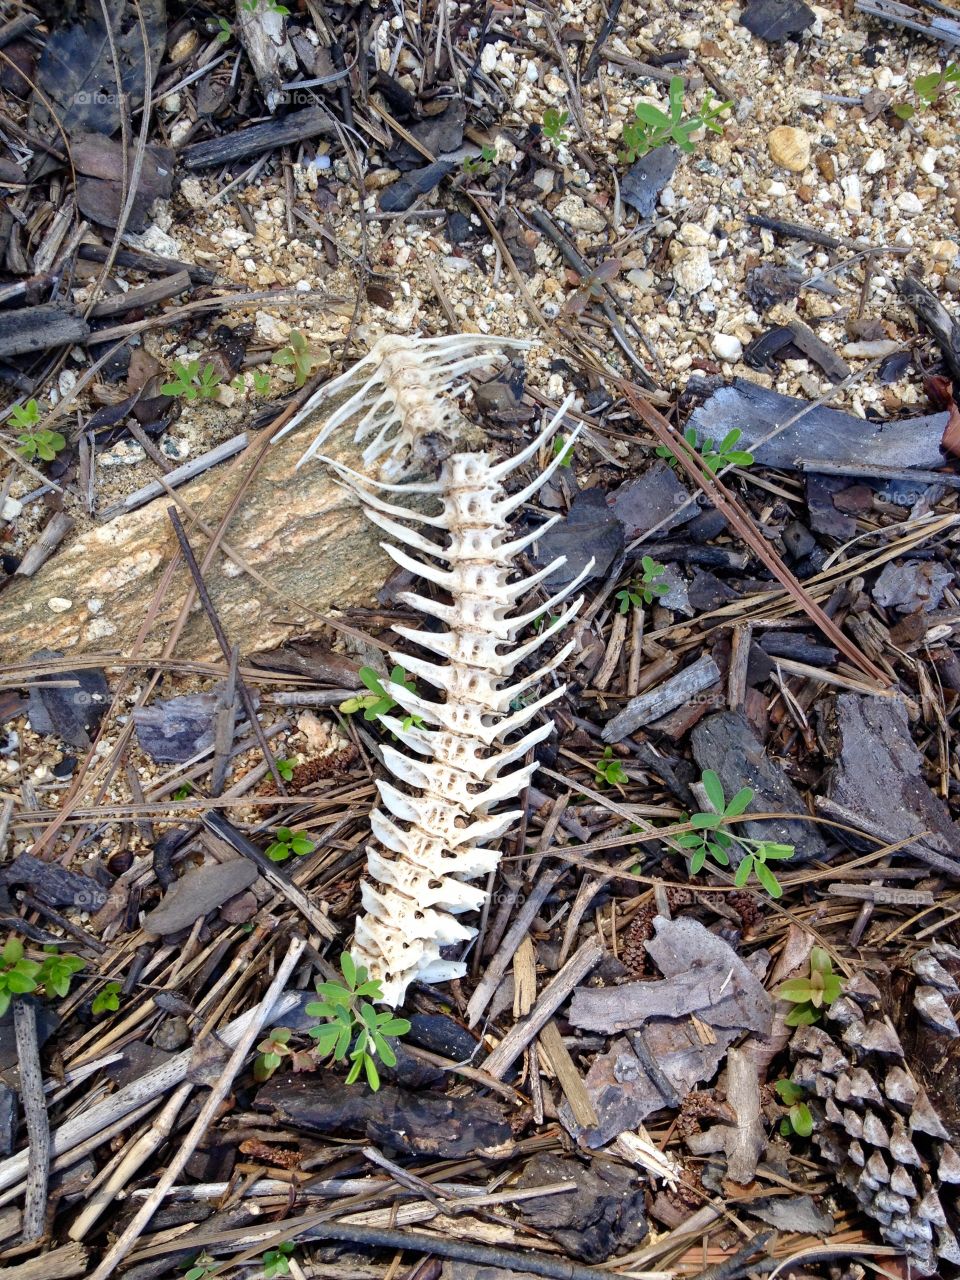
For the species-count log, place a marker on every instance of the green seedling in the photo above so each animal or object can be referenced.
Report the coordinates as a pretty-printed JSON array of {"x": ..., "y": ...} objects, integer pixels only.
[
  {"x": 811, "y": 995},
  {"x": 298, "y": 357},
  {"x": 224, "y": 30},
  {"x": 378, "y": 702},
  {"x": 25, "y": 416},
  {"x": 192, "y": 382},
  {"x": 351, "y": 1025},
  {"x": 44, "y": 445},
  {"x": 545, "y": 620},
  {"x": 608, "y": 771},
  {"x": 202, "y": 1265},
  {"x": 286, "y": 842},
  {"x": 930, "y": 88},
  {"x": 107, "y": 1000},
  {"x": 798, "y": 1119},
  {"x": 285, "y": 768},
  {"x": 645, "y": 589},
  {"x": 725, "y": 454},
  {"x": 563, "y": 450},
  {"x": 653, "y": 127},
  {"x": 20, "y": 976},
  {"x": 553, "y": 122},
  {"x": 261, "y": 382},
  {"x": 712, "y": 839},
  {"x": 275, "y": 1261},
  {"x": 480, "y": 165}
]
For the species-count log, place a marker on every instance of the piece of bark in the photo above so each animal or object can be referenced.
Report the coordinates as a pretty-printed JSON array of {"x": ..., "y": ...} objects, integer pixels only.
[
  {"x": 814, "y": 348},
  {"x": 59, "y": 1264},
  {"x": 687, "y": 684},
  {"x": 423, "y": 1124},
  {"x": 39, "y": 328},
  {"x": 726, "y": 744},
  {"x": 54, "y": 885},
  {"x": 147, "y": 295},
  {"x": 702, "y": 975},
  {"x": 933, "y": 315},
  {"x": 603, "y": 1216},
  {"x": 254, "y": 140},
  {"x": 656, "y": 498},
  {"x": 295, "y": 527},
  {"x": 819, "y": 433},
  {"x": 878, "y": 772},
  {"x": 197, "y": 892},
  {"x": 69, "y": 704}
]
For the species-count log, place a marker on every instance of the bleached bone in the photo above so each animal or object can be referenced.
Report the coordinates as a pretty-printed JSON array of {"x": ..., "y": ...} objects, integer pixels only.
[
  {"x": 404, "y": 389},
  {"x": 459, "y": 765}
]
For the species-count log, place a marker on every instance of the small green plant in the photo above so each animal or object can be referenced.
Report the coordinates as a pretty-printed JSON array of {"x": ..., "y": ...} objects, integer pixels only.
[
  {"x": 275, "y": 1261},
  {"x": 261, "y": 382},
  {"x": 200, "y": 1267},
  {"x": 553, "y": 122},
  {"x": 482, "y": 164},
  {"x": 545, "y": 620},
  {"x": 608, "y": 771},
  {"x": 25, "y": 416},
  {"x": 56, "y": 972},
  {"x": 192, "y": 382},
  {"x": 20, "y": 976},
  {"x": 349, "y": 1019},
  {"x": 711, "y": 839},
  {"x": 34, "y": 444},
  {"x": 296, "y": 356},
  {"x": 714, "y": 456},
  {"x": 40, "y": 444},
  {"x": 798, "y": 1119},
  {"x": 273, "y": 1050},
  {"x": 563, "y": 450},
  {"x": 378, "y": 702},
  {"x": 285, "y": 768},
  {"x": 184, "y": 792},
  {"x": 653, "y": 127},
  {"x": 812, "y": 994},
  {"x": 286, "y": 842},
  {"x": 224, "y": 30},
  {"x": 107, "y": 1000},
  {"x": 646, "y": 588},
  {"x": 930, "y": 88}
]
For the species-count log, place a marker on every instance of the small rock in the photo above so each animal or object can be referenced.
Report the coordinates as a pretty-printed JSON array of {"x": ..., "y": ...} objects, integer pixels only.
[
  {"x": 581, "y": 216},
  {"x": 59, "y": 604},
  {"x": 689, "y": 39},
  {"x": 909, "y": 203},
  {"x": 694, "y": 271},
  {"x": 874, "y": 162},
  {"x": 789, "y": 148},
  {"x": 945, "y": 252},
  {"x": 544, "y": 179},
  {"x": 693, "y": 234},
  {"x": 726, "y": 346},
  {"x": 10, "y": 509}
]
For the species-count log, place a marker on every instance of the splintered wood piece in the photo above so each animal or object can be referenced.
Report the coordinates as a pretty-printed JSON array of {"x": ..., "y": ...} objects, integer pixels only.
[
  {"x": 571, "y": 1082},
  {"x": 658, "y": 702},
  {"x": 253, "y": 141}
]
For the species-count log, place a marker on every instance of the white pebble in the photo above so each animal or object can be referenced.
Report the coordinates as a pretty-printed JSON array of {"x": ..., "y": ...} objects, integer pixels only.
[{"x": 726, "y": 346}]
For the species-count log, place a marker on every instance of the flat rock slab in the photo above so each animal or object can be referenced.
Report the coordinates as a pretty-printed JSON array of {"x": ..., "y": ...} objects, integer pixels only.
[
  {"x": 725, "y": 743},
  {"x": 822, "y": 434},
  {"x": 199, "y": 890},
  {"x": 297, "y": 528}
]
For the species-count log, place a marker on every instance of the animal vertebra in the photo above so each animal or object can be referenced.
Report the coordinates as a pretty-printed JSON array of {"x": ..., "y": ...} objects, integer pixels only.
[
  {"x": 407, "y": 387},
  {"x": 434, "y": 833}
]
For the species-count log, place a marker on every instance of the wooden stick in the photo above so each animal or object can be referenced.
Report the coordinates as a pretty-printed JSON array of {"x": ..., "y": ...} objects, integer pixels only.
[
  {"x": 552, "y": 997},
  {"x": 178, "y": 1159},
  {"x": 38, "y": 1124}
]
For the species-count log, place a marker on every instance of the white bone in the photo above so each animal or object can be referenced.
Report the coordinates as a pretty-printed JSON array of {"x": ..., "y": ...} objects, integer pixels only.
[{"x": 454, "y": 776}]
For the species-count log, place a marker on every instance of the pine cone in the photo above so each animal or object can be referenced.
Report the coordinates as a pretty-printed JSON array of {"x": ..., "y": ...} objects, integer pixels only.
[{"x": 874, "y": 1121}]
